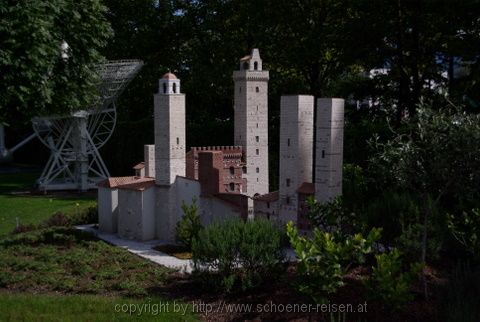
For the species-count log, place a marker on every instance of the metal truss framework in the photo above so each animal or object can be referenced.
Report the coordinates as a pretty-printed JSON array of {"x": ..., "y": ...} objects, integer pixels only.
[{"x": 75, "y": 140}]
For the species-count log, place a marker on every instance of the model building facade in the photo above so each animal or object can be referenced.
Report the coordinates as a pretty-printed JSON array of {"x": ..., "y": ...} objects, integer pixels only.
[{"x": 228, "y": 181}]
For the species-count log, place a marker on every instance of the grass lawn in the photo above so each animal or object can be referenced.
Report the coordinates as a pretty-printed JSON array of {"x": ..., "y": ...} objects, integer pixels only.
[
  {"x": 66, "y": 261},
  {"x": 32, "y": 209},
  {"x": 62, "y": 274},
  {"x": 92, "y": 308}
]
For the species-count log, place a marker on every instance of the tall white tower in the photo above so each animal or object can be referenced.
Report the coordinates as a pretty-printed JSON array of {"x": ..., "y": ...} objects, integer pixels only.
[
  {"x": 329, "y": 148},
  {"x": 296, "y": 151},
  {"x": 251, "y": 120},
  {"x": 169, "y": 106}
]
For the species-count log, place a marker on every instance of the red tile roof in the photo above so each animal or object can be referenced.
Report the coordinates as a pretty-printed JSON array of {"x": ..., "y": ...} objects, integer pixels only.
[
  {"x": 306, "y": 188},
  {"x": 169, "y": 76},
  {"x": 139, "y": 184},
  {"x": 114, "y": 182},
  {"x": 139, "y": 166},
  {"x": 130, "y": 182},
  {"x": 268, "y": 197}
]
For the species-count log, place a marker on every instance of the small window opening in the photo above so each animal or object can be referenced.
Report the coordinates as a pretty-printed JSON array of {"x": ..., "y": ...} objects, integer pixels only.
[
  {"x": 323, "y": 154},
  {"x": 257, "y": 139},
  {"x": 257, "y": 89},
  {"x": 232, "y": 170},
  {"x": 288, "y": 142},
  {"x": 232, "y": 186},
  {"x": 257, "y": 152},
  {"x": 288, "y": 200},
  {"x": 174, "y": 88},
  {"x": 268, "y": 205},
  {"x": 257, "y": 170},
  {"x": 164, "y": 88},
  {"x": 288, "y": 182},
  {"x": 255, "y": 65},
  {"x": 245, "y": 65},
  {"x": 178, "y": 141}
]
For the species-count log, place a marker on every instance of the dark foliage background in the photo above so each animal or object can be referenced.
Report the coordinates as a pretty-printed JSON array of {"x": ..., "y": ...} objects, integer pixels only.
[{"x": 319, "y": 47}]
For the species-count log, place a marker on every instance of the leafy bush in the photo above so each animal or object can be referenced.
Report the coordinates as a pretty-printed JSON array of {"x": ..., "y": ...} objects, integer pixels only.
[
  {"x": 389, "y": 282},
  {"x": 236, "y": 253},
  {"x": 58, "y": 219},
  {"x": 85, "y": 216},
  {"x": 325, "y": 258},
  {"x": 23, "y": 229},
  {"x": 189, "y": 225},
  {"x": 466, "y": 230},
  {"x": 332, "y": 216}
]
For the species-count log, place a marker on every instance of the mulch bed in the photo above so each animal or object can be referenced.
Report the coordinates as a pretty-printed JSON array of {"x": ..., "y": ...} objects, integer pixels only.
[{"x": 281, "y": 292}]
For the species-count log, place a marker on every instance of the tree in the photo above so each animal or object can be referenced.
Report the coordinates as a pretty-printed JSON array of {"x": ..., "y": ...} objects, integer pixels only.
[
  {"x": 189, "y": 225},
  {"x": 438, "y": 160},
  {"x": 48, "y": 53}
]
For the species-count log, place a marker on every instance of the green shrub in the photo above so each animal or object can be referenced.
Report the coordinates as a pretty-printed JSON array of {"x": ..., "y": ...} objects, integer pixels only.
[
  {"x": 85, "y": 216},
  {"x": 240, "y": 254},
  {"x": 466, "y": 230},
  {"x": 333, "y": 216},
  {"x": 189, "y": 225},
  {"x": 58, "y": 219},
  {"x": 325, "y": 258},
  {"x": 23, "y": 228},
  {"x": 389, "y": 282}
]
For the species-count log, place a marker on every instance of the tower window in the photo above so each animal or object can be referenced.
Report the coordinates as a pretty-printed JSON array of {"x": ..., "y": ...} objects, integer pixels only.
[
  {"x": 257, "y": 89},
  {"x": 255, "y": 65},
  {"x": 164, "y": 88},
  {"x": 232, "y": 170},
  {"x": 288, "y": 182},
  {"x": 178, "y": 141},
  {"x": 174, "y": 87},
  {"x": 288, "y": 142},
  {"x": 268, "y": 204},
  {"x": 245, "y": 65},
  {"x": 244, "y": 169},
  {"x": 257, "y": 125},
  {"x": 323, "y": 154},
  {"x": 258, "y": 170},
  {"x": 257, "y": 152},
  {"x": 288, "y": 200},
  {"x": 240, "y": 89},
  {"x": 232, "y": 186},
  {"x": 257, "y": 139}
]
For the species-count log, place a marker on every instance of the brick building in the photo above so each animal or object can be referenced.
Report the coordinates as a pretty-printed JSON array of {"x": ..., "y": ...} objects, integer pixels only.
[{"x": 232, "y": 167}]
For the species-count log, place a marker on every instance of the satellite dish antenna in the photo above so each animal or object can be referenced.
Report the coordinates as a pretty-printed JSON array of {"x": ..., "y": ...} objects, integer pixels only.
[{"x": 74, "y": 140}]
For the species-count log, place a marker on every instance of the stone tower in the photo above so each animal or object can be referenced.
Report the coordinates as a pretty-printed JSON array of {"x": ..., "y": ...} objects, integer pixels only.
[
  {"x": 169, "y": 105},
  {"x": 251, "y": 120},
  {"x": 296, "y": 151},
  {"x": 329, "y": 148}
]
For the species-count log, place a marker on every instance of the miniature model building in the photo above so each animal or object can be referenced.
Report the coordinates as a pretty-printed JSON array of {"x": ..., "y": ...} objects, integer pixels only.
[
  {"x": 227, "y": 181},
  {"x": 297, "y": 164}
]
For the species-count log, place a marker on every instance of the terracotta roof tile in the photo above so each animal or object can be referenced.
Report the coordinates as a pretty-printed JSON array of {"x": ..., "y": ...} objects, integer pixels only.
[
  {"x": 139, "y": 184},
  {"x": 114, "y": 182},
  {"x": 139, "y": 166},
  {"x": 169, "y": 76},
  {"x": 268, "y": 197},
  {"x": 130, "y": 182}
]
